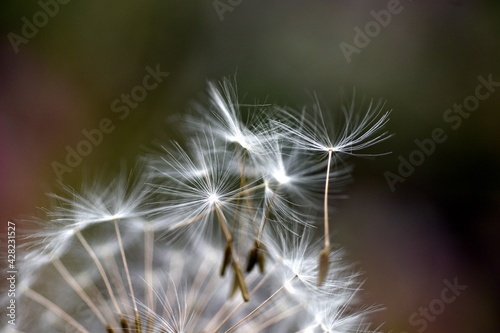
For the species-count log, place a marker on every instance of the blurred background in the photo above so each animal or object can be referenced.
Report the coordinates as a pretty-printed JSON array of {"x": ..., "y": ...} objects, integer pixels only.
[{"x": 62, "y": 66}]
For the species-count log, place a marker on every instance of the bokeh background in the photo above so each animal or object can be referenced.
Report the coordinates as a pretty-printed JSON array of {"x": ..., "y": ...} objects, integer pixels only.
[{"x": 441, "y": 223}]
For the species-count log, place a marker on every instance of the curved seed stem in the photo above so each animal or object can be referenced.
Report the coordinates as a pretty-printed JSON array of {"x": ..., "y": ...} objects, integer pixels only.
[
  {"x": 54, "y": 308},
  {"x": 260, "y": 305},
  {"x": 127, "y": 273},
  {"x": 101, "y": 270}
]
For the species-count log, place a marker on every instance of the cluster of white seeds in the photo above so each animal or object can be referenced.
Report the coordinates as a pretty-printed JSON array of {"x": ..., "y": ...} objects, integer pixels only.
[{"x": 220, "y": 236}]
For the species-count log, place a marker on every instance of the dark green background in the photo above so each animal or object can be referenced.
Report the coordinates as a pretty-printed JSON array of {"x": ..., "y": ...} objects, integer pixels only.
[{"x": 441, "y": 223}]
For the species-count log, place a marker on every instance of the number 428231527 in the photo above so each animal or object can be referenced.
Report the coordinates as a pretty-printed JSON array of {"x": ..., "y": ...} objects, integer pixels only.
[{"x": 11, "y": 244}]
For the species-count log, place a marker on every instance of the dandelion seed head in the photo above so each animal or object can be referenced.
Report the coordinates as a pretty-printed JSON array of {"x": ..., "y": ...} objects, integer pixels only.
[
  {"x": 148, "y": 249},
  {"x": 213, "y": 198},
  {"x": 321, "y": 134},
  {"x": 240, "y": 139},
  {"x": 281, "y": 177}
]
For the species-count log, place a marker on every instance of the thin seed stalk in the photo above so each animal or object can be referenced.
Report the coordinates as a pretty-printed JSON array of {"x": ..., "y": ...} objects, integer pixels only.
[
  {"x": 256, "y": 254},
  {"x": 127, "y": 273},
  {"x": 260, "y": 305},
  {"x": 101, "y": 270},
  {"x": 236, "y": 262},
  {"x": 324, "y": 255},
  {"x": 242, "y": 184},
  {"x": 55, "y": 309},
  {"x": 268, "y": 211}
]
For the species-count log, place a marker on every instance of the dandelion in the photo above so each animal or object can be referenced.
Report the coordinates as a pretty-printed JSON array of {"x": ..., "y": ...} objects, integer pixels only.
[
  {"x": 148, "y": 252},
  {"x": 314, "y": 135}
]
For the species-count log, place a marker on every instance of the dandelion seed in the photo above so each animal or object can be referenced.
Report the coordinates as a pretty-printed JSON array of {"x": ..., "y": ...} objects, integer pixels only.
[
  {"x": 193, "y": 184},
  {"x": 224, "y": 118},
  {"x": 357, "y": 133}
]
